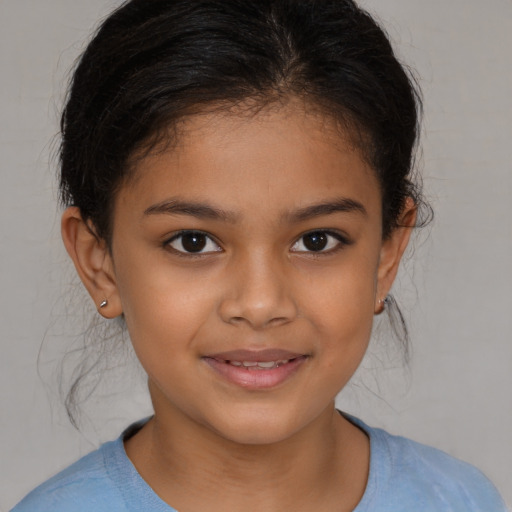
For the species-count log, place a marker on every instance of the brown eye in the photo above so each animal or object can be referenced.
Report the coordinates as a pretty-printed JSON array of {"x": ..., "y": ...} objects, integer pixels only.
[
  {"x": 315, "y": 241},
  {"x": 193, "y": 242},
  {"x": 319, "y": 241}
]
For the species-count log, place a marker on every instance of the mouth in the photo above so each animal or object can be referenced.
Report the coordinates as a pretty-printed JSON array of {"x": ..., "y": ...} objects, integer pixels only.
[
  {"x": 259, "y": 365},
  {"x": 256, "y": 369}
]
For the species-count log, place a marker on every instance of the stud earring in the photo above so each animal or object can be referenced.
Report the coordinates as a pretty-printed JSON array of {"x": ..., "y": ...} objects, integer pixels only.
[
  {"x": 103, "y": 304},
  {"x": 382, "y": 305}
]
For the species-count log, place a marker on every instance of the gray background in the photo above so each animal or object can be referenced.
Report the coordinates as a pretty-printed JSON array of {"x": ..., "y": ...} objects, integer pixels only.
[{"x": 456, "y": 287}]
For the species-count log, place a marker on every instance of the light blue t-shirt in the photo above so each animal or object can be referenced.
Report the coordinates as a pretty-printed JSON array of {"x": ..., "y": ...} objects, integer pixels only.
[{"x": 405, "y": 476}]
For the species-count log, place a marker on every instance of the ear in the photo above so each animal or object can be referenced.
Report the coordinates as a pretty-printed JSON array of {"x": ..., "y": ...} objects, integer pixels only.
[
  {"x": 391, "y": 252},
  {"x": 93, "y": 262}
]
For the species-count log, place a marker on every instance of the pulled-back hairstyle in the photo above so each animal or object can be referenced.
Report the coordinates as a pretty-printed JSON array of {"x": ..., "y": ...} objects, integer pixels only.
[{"x": 153, "y": 62}]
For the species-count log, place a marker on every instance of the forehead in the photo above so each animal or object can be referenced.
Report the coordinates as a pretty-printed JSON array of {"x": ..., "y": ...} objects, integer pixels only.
[{"x": 286, "y": 156}]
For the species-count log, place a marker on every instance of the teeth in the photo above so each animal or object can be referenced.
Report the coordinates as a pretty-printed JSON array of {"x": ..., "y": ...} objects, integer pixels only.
[
  {"x": 268, "y": 364},
  {"x": 259, "y": 365}
]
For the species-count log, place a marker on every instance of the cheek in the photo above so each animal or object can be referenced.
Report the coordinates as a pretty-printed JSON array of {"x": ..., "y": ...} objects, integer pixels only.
[
  {"x": 342, "y": 305},
  {"x": 346, "y": 324},
  {"x": 167, "y": 313},
  {"x": 164, "y": 323},
  {"x": 163, "y": 307}
]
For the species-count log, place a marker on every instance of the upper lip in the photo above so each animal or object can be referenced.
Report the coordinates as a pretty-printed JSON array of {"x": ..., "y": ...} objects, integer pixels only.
[{"x": 265, "y": 355}]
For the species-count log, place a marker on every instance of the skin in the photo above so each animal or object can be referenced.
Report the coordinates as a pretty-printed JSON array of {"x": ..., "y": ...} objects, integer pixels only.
[{"x": 255, "y": 286}]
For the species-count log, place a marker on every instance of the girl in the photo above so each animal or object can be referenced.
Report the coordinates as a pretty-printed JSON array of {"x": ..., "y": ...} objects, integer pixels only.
[{"x": 237, "y": 177}]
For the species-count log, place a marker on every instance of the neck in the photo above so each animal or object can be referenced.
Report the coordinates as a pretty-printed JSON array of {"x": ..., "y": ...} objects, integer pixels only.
[{"x": 186, "y": 464}]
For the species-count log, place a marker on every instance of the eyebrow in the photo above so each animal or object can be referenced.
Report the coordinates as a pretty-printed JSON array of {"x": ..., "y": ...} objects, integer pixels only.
[
  {"x": 199, "y": 210},
  {"x": 206, "y": 211},
  {"x": 342, "y": 204}
]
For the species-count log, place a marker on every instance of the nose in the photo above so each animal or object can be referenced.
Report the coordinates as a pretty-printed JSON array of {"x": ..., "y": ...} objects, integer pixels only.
[{"x": 259, "y": 293}]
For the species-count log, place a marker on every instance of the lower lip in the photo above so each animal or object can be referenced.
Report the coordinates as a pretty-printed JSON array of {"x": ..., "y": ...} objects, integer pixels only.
[{"x": 255, "y": 379}]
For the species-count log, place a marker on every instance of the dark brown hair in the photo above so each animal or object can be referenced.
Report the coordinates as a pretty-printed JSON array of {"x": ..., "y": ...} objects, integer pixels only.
[{"x": 153, "y": 62}]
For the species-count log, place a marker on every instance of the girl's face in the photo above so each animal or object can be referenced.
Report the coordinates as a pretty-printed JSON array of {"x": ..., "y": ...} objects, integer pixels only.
[{"x": 248, "y": 261}]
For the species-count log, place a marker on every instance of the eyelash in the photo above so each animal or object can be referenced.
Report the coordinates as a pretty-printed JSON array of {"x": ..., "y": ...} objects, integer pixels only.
[
  {"x": 342, "y": 241},
  {"x": 187, "y": 254}
]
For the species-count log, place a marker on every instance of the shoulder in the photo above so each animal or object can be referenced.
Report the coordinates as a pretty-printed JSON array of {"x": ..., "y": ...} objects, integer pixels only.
[
  {"x": 83, "y": 486},
  {"x": 414, "y": 476},
  {"x": 443, "y": 471}
]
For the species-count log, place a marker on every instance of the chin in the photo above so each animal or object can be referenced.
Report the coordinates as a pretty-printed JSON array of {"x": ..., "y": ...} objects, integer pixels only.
[
  {"x": 259, "y": 426},
  {"x": 257, "y": 436}
]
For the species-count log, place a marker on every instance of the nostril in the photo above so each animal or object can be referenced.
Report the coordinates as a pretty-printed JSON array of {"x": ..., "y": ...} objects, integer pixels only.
[
  {"x": 259, "y": 323},
  {"x": 279, "y": 320}
]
